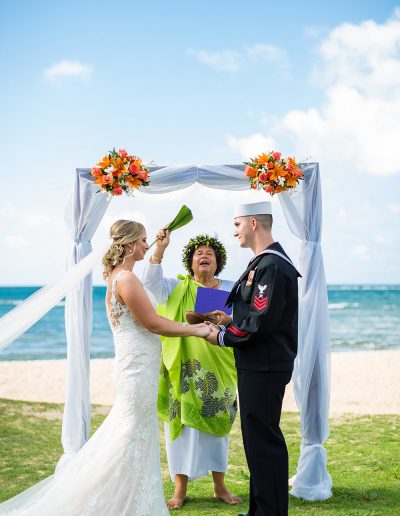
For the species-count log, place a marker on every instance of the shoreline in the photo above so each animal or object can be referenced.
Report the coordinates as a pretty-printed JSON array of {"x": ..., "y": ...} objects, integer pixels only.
[{"x": 362, "y": 382}]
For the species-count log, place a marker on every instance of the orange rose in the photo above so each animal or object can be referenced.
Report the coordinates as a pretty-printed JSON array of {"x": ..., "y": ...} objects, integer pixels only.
[
  {"x": 96, "y": 171},
  {"x": 107, "y": 179},
  {"x": 117, "y": 190},
  {"x": 263, "y": 177},
  {"x": 142, "y": 174},
  {"x": 133, "y": 169}
]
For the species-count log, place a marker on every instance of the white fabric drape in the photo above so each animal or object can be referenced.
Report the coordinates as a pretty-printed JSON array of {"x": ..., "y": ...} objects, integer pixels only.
[
  {"x": 84, "y": 212},
  {"x": 18, "y": 320},
  {"x": 311, "y": 376},
  {"x": 171, "y": 178}
]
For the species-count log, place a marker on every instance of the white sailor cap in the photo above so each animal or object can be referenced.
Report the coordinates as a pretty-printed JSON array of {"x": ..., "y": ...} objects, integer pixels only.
[{"x": 255, "y": 208}]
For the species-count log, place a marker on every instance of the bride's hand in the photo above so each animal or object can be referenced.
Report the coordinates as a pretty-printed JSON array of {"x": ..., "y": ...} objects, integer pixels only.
[{"x": 200, "y": 330}]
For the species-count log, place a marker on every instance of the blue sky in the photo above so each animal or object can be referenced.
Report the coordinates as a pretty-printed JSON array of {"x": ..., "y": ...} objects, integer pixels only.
[{"x": 201, "y": 82}]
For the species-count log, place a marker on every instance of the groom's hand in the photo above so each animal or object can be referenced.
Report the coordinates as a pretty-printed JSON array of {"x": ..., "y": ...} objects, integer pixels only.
[
  {"x": 213, "y": 335},
  {"x": 223, "y": 318}
]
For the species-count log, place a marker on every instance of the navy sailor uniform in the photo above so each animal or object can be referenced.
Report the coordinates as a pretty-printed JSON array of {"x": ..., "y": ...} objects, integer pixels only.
[{"x": 263, "y": 333}]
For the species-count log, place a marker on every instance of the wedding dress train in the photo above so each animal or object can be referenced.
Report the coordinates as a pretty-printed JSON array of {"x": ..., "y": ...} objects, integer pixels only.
[{"x": 117, "y": 472}]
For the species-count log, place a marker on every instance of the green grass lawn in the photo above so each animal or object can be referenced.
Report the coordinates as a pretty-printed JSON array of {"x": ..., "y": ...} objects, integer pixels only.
[{"x": 363, "y": 460}]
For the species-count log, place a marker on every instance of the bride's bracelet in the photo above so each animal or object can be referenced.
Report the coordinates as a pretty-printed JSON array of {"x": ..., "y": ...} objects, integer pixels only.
[{"x": 157, "y": 258}]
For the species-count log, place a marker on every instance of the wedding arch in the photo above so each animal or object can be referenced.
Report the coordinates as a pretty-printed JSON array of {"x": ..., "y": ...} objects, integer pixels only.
[{"x": 311, "y": 376}]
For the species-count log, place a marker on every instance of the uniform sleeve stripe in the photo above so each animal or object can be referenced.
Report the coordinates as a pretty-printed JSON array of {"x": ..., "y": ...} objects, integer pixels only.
[{"x": 236, "y": 331}]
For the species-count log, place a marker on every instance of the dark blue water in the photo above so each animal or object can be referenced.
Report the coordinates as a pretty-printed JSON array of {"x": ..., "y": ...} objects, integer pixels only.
[{"x": 362, "y": 317}]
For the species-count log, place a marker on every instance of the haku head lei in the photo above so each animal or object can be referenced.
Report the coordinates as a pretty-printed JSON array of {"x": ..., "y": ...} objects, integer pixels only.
[{"x": 209, "y": 241}]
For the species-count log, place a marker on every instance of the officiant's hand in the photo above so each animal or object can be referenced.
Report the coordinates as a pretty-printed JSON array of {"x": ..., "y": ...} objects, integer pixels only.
[
  {"x": 213, "y": 335},
  {"x": 223, "y": 318},
  {"x": 162, "y": 242}
]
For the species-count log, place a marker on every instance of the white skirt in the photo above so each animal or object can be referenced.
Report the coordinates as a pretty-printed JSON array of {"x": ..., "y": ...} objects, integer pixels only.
[{"x": 194, "y": 453}]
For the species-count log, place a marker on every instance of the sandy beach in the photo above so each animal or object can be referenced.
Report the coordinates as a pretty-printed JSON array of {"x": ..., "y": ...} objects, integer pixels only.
[{"x": 362, "y": 382}]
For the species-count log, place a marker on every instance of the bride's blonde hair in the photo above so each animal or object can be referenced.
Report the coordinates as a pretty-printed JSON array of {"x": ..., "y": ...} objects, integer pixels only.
[{"x": 122, "y": 232}]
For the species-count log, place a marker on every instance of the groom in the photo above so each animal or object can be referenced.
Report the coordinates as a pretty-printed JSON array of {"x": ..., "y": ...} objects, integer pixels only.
[{"x": 263, "y": 333}]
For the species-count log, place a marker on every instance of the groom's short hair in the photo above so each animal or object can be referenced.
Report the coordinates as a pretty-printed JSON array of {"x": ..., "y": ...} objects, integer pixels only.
[{"x": 265, "y": 222}]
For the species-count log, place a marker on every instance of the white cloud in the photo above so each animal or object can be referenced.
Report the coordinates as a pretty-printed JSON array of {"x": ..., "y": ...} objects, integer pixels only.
[
  {"x": 358, "y": 124},
  {"x": 314, "y": 31},
  {"x": 361, "y": 251},
  {"x": 15, "y": 241},
  {"x": 223, "y": 60},
  {"x": 65, "y": 68},
  {"x": 232, "y": 60},
  {"x": 33, "y": 218},
  {"x": 394, "y": 208},
  {"x": 251, "y": 145}
]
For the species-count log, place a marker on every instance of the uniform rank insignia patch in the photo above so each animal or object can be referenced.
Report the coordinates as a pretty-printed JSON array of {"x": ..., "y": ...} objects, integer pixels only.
[
  {"x": 250, "y": 277},
  {"x": 260, "y": 302}
]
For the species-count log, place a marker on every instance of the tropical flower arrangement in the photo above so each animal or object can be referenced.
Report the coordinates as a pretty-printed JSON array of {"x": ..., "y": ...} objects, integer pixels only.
[
  {"x": 120, "y": 172},
  {"x": 272, "y": 173}
]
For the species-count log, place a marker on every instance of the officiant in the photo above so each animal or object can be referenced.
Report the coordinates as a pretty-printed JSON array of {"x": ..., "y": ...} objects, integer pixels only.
[{"x": 198, "y": 382}]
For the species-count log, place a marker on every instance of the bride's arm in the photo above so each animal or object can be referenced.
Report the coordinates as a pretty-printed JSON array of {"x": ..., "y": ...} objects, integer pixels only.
[{"x": 131, "y": 291}]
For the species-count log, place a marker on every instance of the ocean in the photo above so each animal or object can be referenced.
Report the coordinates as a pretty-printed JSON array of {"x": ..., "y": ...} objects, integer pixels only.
[{"x": 362, "y": 317}]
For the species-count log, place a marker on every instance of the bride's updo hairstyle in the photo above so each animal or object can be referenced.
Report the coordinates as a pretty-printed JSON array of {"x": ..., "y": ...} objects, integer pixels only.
[{"x": 122, "y": 232}]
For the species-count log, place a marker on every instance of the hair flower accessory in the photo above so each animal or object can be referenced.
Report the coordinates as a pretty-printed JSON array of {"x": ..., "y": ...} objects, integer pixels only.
[
  {"x": 272, "y": 173},
  {"x": 209, "y": 241},
  {"x": 120, "y": 172}
]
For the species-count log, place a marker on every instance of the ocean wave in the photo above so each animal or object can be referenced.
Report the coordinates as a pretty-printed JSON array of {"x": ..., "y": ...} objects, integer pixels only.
[
  {"x": 373, "y": 287},
  {"x": 14, "y": 302},
  {"x": 342, "y": 306}
]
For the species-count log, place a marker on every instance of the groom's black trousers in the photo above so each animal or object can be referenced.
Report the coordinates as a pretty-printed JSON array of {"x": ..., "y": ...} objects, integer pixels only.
[{"x": 260, "y": 398}]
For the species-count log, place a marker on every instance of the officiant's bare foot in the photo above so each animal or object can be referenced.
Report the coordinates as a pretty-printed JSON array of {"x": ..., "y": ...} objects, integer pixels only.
[
  {"x": 227, "y": 497},
  {"x": 179, "y": 495},
  {"x": 176, "y": 501}
]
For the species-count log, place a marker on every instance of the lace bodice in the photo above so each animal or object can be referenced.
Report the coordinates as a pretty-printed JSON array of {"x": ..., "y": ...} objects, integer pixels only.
[{"x": 117, "y": 309}]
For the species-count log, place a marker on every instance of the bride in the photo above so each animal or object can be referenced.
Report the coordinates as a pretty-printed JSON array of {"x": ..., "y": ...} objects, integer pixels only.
[{"x": 117, "y": 472}]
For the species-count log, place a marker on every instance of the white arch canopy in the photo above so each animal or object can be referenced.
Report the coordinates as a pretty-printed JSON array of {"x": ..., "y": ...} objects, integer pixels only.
[{"x": 311, "y": 377}]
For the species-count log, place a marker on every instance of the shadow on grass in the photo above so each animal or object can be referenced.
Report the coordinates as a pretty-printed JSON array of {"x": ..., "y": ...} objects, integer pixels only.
[
  {"x": 351, "y": 501},
  {"x": 204, "y": 506}
]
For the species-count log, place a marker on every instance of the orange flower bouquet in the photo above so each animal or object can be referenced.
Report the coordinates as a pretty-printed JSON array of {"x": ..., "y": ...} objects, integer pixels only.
[
  {"x": 272, "y": 173},
  {"x": 120, "y": 172}
]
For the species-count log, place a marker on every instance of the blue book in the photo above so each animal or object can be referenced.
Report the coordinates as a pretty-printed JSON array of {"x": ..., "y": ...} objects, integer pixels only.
[{"x": 210, "y": 299}]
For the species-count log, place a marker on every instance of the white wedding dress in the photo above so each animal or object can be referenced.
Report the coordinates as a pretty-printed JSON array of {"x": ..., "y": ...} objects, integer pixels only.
[{"x": 117, "y": 472}]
